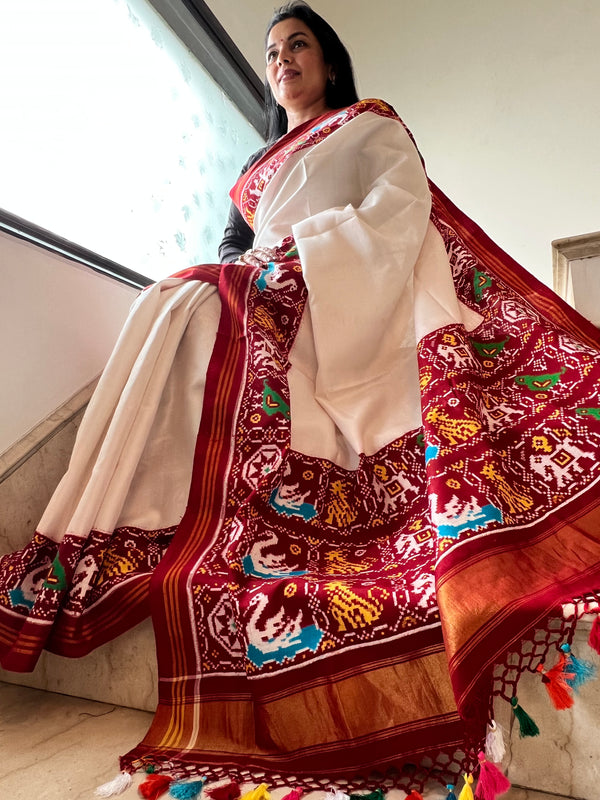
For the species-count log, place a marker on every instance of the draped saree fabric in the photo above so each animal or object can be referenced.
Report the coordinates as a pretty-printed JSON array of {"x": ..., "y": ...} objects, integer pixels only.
[{"x": 383, "y": 477}]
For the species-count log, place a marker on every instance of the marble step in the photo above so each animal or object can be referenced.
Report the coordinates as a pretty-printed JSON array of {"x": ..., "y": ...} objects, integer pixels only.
[{"x": 122, "y": 672}]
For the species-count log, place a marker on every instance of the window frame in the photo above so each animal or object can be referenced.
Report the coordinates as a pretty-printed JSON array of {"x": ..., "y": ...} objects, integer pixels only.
[
  {"x": 200, "y": 30},
  {"x": 30, "y": 232},
  {"x": 571, "y": 248}
]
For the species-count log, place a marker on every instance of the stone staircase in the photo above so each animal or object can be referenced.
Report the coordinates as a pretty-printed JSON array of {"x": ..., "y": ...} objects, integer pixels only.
[{"x": 122, "y": 672}]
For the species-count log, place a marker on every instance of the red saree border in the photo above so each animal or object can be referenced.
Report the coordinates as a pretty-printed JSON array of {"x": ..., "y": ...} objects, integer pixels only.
[
  {"x": 246, "y": 192},
  {"x": 350, "y": 762},
  {"x": 476, "y": 563},
  {"x": 518, "y": 615},
  {"x": 69, "y": 631},
  {"x": 74, "y": 636},
  {"x": 549, "y": 304},
  {"x": 208, "y": 486}
]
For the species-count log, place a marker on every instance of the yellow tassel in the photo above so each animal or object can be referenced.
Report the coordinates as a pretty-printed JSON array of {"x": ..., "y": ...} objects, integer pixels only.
[
  {"x": 466, "y": 792},
  {"x": 260, "y": 793}
]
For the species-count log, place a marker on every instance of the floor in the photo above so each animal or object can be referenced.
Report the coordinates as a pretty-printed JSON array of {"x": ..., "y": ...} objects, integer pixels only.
[{"x": 54, "y": 747}]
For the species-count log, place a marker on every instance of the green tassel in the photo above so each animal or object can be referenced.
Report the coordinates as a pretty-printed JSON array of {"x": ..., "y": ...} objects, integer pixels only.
[
  {"x": 378, "y": 794},
  {"x": 527, "y": 726}
]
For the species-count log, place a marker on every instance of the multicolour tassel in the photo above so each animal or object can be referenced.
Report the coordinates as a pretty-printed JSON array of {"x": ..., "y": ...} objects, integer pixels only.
[
  {"x": 295, "y": 794},
  {"x": 491, "y": 781},
  {"x": 260, "y": 793},
  {"x": 186, "y": 790},
  {"x": 527, "y": 726},
  {"x": 451, "y": 795},
  {"x": 466, "y": 793},
  {"x": 155, "y": 785},
  {"x": 495, "y": 749},
  {"x": 117, "y": 786},
  {"x": 555, "y": 681},
  {"x": 594, "y": 640},
  {"x": 583, "y": 670},
  {"x": 224, "y": 791}
]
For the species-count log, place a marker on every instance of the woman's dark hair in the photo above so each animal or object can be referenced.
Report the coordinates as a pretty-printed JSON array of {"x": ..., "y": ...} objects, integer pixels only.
[{"x": 340, "y": 94}]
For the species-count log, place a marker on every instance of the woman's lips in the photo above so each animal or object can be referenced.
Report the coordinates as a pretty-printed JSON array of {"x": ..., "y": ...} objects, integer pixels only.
[{"x": 289, "y": 74}]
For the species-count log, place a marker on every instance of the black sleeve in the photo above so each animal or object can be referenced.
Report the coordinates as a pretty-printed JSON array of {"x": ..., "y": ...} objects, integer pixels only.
[{"x": 238, "y": 235}]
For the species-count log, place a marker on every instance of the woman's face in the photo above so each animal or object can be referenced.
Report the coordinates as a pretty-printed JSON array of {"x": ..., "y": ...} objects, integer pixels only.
[{"x": 296, "y": 70}]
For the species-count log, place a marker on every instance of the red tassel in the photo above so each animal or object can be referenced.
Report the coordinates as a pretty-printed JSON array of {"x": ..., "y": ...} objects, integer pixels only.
[
  {"x": 295, "y": 794},
  {"x": 155, "y": 785},
  {"x": 414, "y": 795},
  {"x": 491, "y": 781},
  {"x": 226, "y": 791},
  {"x": 555, "y": 680},
  {"x": 594, "y": 640}
]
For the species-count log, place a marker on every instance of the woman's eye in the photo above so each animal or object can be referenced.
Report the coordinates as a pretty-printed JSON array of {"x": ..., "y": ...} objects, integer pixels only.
[
  {"x": 298, "y": 43},
  {"x": 270, "y": 56}
]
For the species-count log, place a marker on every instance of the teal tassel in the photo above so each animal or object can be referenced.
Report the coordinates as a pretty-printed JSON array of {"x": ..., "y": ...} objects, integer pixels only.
[
  {"x": 186, "y": 791},
  {"x": 582, "y": 671},
  {"x": 451, "y": 795}
]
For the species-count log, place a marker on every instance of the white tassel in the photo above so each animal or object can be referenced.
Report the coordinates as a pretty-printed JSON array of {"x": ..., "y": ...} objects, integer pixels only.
[
  {"x": 117, "y": 786},
  {"x": 336, "y": 794},
  {"x": 495, "y": 748}
]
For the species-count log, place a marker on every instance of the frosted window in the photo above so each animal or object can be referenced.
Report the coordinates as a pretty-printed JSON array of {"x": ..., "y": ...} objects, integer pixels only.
[{"x": 113, "y": 135}]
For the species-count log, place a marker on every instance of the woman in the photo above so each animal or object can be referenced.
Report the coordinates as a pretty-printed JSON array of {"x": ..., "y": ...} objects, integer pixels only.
[
  {"x": 340, "y": 92},
  {"x": 393, "y": 482}
]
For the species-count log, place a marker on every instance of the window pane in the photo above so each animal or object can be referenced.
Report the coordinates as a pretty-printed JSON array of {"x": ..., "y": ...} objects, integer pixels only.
[{"x": 113, "y": 135}]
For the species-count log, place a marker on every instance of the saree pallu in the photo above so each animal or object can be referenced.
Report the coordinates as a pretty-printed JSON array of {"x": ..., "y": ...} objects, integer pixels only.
[{"x": 314, "y": 621}]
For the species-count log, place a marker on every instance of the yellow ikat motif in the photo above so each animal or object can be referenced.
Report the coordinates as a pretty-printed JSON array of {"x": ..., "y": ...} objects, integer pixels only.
[
  {"x": 516, "y": 499},
  {"x": 350, "y": 610},
  {"x": 339, "y": 510},
  {"x": 454, "y": 431}
]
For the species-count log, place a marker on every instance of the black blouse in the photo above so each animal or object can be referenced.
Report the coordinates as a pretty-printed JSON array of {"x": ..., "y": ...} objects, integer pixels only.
[{"x": 238, "y": 235}]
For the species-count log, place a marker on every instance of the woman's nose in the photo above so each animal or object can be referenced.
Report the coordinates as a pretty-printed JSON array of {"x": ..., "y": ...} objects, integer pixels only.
[{"x": 284, "y": 56}]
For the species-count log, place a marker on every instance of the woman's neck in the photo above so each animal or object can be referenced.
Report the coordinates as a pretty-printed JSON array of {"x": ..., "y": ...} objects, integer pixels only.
[{"x": 300, "y": 116}]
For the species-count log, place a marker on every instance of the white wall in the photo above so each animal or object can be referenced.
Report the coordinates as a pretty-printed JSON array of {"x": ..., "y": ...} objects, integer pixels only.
[
  {"x": 58, "y": 324},
  {"x": 502, "y": 98}
]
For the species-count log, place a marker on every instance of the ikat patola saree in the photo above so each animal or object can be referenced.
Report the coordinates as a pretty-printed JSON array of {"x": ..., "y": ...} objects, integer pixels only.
[{"x": 317, "y": 620}]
